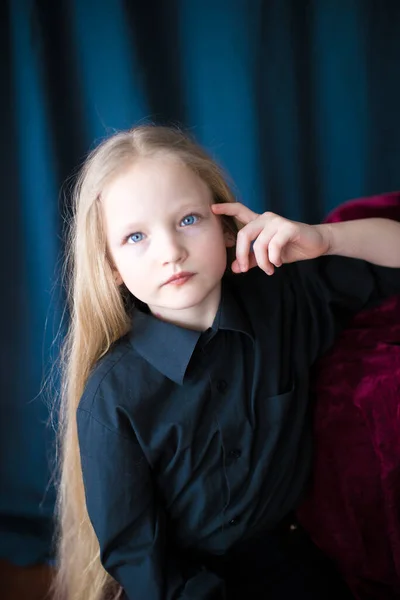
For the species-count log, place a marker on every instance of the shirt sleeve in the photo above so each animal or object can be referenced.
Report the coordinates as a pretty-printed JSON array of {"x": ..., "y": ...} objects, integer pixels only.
[
  {"x": 328, "y": 291},
  {"x": 130, "y": 523}
]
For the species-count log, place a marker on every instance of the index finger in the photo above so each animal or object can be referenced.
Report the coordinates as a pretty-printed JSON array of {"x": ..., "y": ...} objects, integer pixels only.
[{"x": 234, "y": 209}]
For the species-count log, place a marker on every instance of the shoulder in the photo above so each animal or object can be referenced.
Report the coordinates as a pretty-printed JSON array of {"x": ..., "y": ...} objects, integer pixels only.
[
  {"x": 292, "y": 278},
  {"x": 115, "y": 385}
]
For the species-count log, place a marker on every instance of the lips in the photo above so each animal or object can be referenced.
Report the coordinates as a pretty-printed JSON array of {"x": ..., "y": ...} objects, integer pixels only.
[{"x": 179, "y": 278}]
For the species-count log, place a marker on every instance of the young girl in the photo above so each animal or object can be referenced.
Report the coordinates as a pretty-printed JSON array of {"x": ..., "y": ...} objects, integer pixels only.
[{"x": 186, "y": 426}]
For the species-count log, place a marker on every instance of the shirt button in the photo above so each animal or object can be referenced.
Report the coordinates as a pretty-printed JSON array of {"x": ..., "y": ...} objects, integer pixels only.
[
  {"x": 236, "y": 453},
  {"x": 234, "y": 521},
  {"x": 222, "y": 385}
]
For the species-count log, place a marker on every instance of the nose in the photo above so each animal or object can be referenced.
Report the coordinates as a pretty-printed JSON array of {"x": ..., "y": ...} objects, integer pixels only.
[{"x": 170, "y": 248}]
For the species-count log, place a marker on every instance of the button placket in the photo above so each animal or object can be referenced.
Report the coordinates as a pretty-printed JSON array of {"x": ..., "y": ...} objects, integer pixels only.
[{"x": 235, "y": 453}]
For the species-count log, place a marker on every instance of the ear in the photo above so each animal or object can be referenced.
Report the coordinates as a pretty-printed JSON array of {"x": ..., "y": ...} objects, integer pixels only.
[
  {"x": 117, "y": 277},
  {"x": 115, "y": 273},
  {"x": 230, "y": 238}
]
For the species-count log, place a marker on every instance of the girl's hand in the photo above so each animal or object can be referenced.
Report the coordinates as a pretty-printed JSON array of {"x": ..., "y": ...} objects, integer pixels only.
[{"x": 269, "y": 240}]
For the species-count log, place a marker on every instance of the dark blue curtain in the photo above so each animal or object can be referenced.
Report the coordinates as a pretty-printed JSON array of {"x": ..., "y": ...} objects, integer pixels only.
[{"x": 298, "y": 100}]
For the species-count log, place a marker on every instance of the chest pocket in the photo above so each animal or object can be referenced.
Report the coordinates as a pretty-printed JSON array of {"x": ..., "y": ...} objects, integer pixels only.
[
  {"x": 274, "y": 411},
  {"x": 278, "y": 424}
]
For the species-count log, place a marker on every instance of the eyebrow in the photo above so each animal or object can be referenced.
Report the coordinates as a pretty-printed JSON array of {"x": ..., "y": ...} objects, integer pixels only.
[{"x": 131, "y": 226}]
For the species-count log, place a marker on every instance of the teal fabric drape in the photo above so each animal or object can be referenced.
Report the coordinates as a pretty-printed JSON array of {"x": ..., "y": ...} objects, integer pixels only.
[{"x": 297, "y": 100}]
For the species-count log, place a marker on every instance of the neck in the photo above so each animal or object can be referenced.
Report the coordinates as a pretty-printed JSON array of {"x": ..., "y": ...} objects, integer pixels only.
[{"x": 198, "y": 318}]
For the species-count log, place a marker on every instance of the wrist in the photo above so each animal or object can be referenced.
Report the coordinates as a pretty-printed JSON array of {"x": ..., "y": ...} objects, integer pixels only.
[{"x": 327, "y": 233}]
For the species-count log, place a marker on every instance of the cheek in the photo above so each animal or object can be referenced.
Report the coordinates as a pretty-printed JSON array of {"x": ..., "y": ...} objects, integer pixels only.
[
  {"x": 207, "y": 235},
  {"x": 211, "y": 251},
  {"x": 129, "y": 264}
]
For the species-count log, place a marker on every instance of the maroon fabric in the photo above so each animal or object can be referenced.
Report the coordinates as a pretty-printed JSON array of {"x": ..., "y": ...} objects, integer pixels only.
[{"x": 352, "y": 510}]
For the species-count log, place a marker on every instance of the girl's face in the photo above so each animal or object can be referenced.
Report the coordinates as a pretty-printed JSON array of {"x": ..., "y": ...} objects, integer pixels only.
[{"x": 167, "y": 246}]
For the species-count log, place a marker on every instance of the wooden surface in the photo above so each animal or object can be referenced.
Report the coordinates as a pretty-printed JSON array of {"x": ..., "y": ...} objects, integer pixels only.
[{"x": 25, "y": 583}]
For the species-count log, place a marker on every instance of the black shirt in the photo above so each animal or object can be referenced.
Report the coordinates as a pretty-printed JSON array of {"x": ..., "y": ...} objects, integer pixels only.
[{"x": 194, "y": 441}]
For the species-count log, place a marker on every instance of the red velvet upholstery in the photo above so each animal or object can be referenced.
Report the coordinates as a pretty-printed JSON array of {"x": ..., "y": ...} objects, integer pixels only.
[{"x": 353, "y": 508}]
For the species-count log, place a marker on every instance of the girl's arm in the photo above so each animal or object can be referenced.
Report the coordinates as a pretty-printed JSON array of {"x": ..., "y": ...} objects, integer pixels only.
[
  {"x": 130, "y": 522},
  {"x": 269, "y": 240},
  {"x": 374, "y": 240},
  {"x": 327, "y": 291}
]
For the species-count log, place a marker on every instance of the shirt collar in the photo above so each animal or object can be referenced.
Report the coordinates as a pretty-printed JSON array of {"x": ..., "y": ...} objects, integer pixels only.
[{"x": 169, "y": 347}]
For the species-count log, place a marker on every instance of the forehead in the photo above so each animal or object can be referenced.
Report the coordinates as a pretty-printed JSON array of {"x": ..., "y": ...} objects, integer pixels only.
[{"x": 151, "y": 186}]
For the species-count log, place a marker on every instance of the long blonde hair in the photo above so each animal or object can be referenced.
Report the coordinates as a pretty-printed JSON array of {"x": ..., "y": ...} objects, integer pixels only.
[{"x": 98, "y": 317}]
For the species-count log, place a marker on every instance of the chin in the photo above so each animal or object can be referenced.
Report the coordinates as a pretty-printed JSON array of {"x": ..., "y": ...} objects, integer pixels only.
[
  {"x": 187, "y": 299},
  {"x": 185, "y": 303}
]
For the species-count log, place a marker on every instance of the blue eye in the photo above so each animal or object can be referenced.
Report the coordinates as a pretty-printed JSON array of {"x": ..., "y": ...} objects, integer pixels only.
[
  {"x": 134, "y": 238},
  {"x": 189, "y": 220}
]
